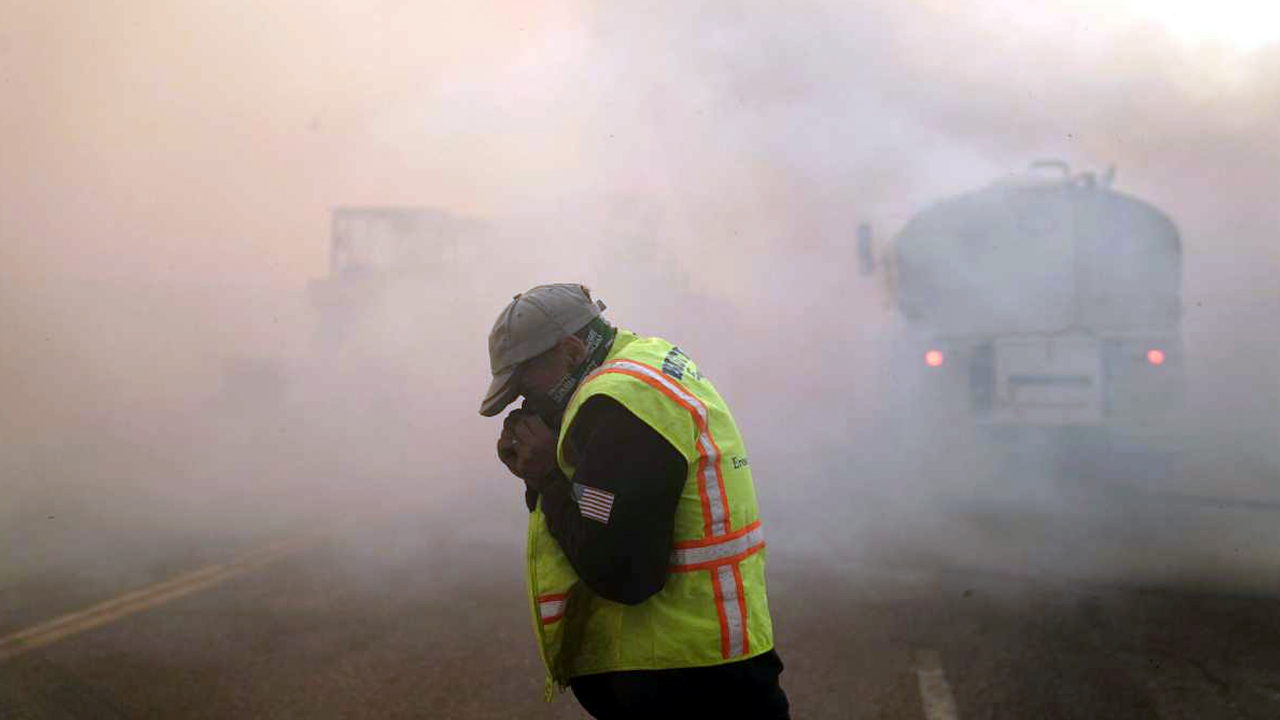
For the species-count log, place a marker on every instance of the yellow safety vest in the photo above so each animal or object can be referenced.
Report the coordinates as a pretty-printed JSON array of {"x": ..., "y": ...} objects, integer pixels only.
[{"x": 712, "y": 608}]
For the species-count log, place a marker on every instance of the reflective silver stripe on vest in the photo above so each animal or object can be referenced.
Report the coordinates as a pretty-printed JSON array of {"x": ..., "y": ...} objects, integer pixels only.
[
  {"x": 711, "y": 457},
  {"x": 682, "y": 558},
  {"x": 732, "y": 612},
  {"x": 551, "y": 609}
]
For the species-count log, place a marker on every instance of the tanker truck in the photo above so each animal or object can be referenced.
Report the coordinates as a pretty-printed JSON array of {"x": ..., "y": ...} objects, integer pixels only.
[{"x": 1042, "y": 310}]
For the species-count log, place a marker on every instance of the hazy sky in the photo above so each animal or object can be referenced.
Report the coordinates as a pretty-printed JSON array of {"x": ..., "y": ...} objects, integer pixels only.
[
  {"x": 168, "y": 168},
  {"x": 215, "y": 135}
]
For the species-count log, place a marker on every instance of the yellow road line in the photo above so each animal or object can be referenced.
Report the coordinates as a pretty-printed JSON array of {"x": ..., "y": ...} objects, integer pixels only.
[{"x": 149, "y": 597}]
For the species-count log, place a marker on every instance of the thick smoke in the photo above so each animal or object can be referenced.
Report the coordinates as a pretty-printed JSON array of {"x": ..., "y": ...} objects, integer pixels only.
[{"x": 169, "y": 177}]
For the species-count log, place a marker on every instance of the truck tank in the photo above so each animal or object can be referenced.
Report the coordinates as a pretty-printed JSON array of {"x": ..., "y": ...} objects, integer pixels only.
[{"x": 1044, "y": 308}]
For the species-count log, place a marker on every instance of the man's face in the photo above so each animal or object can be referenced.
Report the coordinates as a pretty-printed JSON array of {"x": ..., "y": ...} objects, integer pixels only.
[{"x": 537, "y": 377}]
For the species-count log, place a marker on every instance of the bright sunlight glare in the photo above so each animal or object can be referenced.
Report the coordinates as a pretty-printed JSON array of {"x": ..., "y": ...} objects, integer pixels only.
[{"x": 1242, "y": 24}]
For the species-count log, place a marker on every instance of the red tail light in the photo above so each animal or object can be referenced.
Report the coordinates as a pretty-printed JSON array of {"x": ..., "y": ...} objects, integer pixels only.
[
  {"x": 1155, "y": 357},
  {"x": 934, "y": 358}
]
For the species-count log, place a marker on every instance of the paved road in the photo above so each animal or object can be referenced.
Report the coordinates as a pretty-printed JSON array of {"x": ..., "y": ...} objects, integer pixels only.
[{"x": 394, "y": 617}]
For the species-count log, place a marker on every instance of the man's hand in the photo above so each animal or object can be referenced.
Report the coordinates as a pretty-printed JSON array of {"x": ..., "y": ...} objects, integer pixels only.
[
  {"x": 527, "y": 447},
  {"x": 507, "y": 442}
]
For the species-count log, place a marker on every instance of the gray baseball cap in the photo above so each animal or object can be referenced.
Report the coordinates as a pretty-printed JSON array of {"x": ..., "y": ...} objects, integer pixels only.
[{"x": 532, "y": 323}]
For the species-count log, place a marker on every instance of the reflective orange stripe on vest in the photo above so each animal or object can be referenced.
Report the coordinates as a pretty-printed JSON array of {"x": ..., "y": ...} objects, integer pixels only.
[
  {"x": 715, "y": 506},
  {"x": 551, "y": 607},
  {"x": 723, "y": 550},
  {"x": 720, "y": 551},
  {"x": 721, "y": 556}
]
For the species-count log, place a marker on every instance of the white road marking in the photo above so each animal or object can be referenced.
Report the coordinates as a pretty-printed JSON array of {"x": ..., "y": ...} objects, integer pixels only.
[{"x": 935, "y": 692}]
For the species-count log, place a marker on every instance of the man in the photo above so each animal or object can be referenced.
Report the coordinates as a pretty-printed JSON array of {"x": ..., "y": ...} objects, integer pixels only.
[{"x": 645, "y": 553}]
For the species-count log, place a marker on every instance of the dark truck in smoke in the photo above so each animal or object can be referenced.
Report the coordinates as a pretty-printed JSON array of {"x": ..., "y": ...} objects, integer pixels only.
[{"x": 1043, "y": 307}]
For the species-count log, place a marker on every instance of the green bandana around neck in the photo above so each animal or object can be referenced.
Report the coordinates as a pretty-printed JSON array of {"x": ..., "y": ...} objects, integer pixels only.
[{"x": 598, "y": 336}]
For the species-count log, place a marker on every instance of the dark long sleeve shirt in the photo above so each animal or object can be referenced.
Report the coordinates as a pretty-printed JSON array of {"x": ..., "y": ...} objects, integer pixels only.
[{"x": 625, "y": 558}]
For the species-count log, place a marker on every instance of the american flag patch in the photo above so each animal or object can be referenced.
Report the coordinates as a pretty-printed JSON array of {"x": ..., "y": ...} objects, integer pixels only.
[{"x": 593, "y": 503}]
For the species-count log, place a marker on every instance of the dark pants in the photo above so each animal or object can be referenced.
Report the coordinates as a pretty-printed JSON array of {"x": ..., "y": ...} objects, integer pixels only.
[{"x": 743, "y": 690}]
